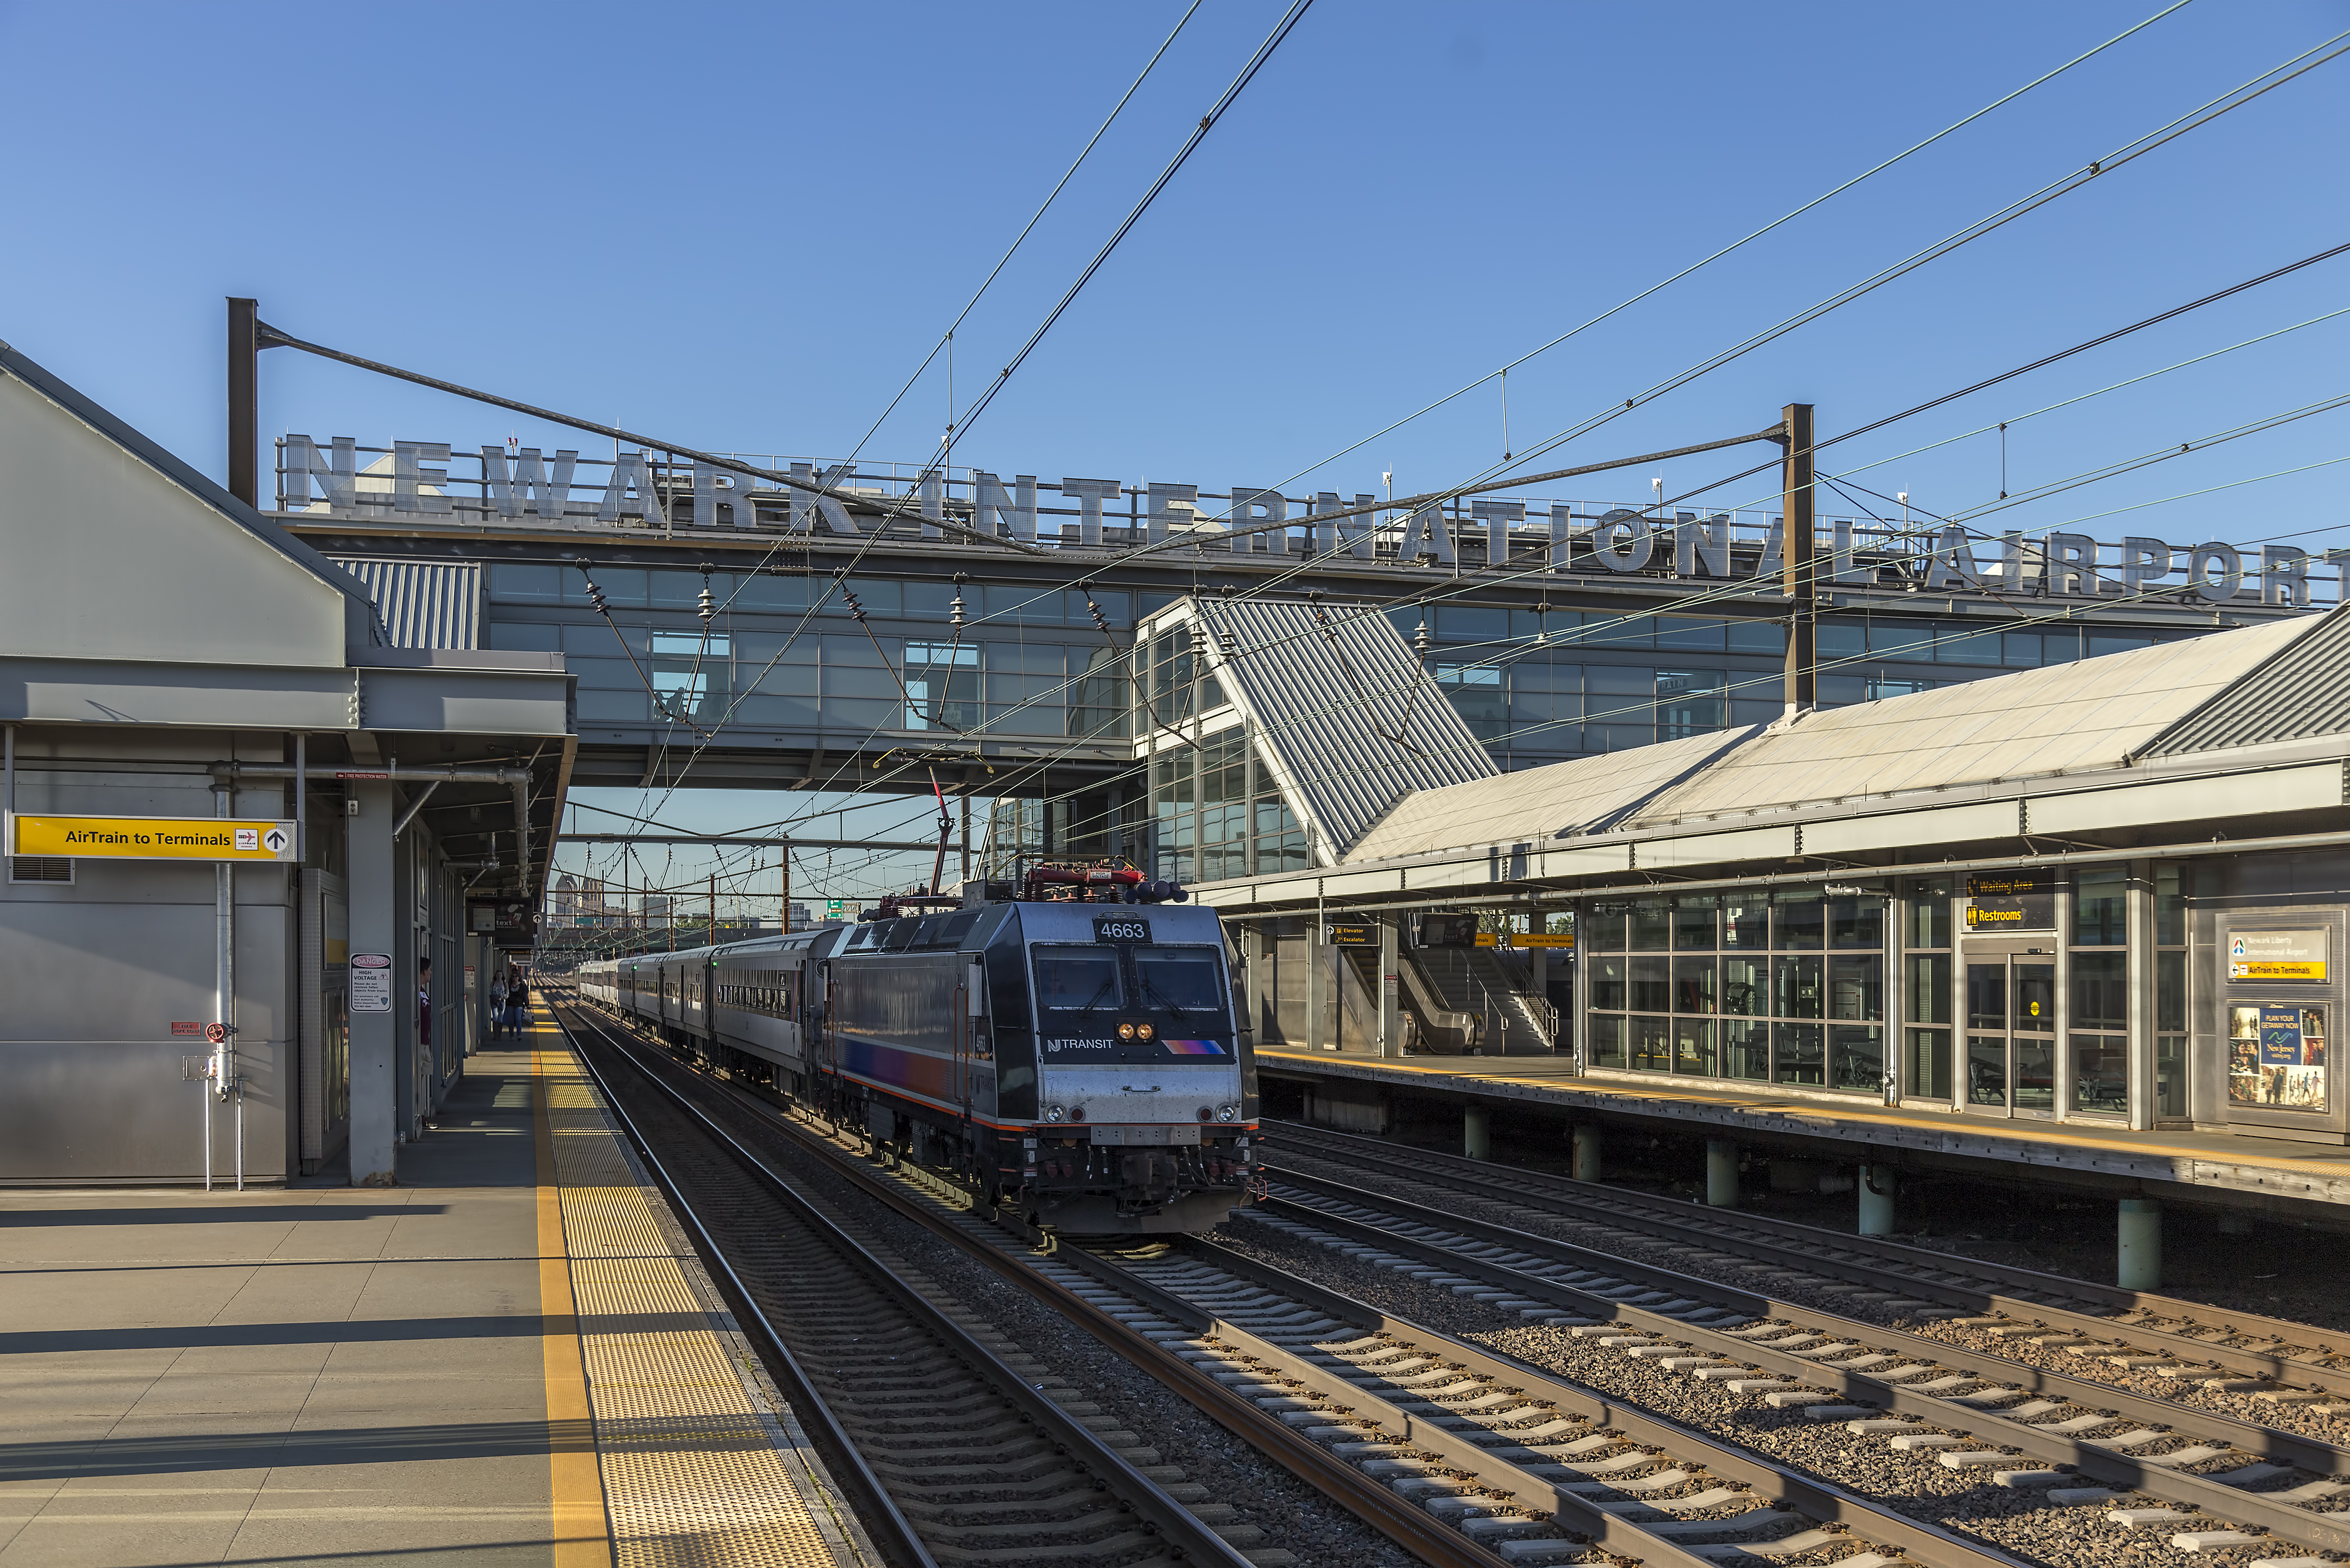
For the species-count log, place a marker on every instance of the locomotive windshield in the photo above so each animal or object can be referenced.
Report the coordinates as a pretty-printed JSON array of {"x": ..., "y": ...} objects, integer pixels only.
[
  {"x": 1182, "y": 982},
  {"x": 1078, "y": 980}
]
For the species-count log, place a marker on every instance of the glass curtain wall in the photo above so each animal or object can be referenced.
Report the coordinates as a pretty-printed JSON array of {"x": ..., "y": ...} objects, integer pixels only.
[
  {"x": 1784, "y": 986},
  {"x": 1926, "y": 988},
  {"x": 1219, "y": 814},
  {"x": 2100, "y": 990},
  {"x": 2170, "y": 887}
]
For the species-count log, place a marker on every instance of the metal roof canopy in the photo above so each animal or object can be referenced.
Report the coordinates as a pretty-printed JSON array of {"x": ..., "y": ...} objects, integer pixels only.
[
  {"x": 2121, "y": 742},
  {"x": 1340, "y": 709}
]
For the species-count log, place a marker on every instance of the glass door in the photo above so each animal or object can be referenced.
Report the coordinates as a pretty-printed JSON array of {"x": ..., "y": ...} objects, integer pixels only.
[{"x": 2011, "y": 1036}]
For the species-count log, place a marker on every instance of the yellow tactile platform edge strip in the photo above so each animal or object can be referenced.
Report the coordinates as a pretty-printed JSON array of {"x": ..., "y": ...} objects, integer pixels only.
[{"x": 693, "y": 1471}]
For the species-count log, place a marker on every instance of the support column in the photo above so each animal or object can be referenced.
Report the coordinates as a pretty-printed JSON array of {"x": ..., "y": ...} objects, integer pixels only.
[
  {"x": 1799, "y": 569},
  {"x": 2140, "y": 1250},
  {"x": 1319, "y": 1037},
  {"x": 2140, "y": 1015},
  {"x": 1477, "y": 1133},
  {"x": 1391, "y": 1024},
  {"x": 1721, "y": 1173},
  {"x": 1587, "y": 1151},
  {"x": 374, "y": 1043},
  {"x": 1878, "y": 1188}
]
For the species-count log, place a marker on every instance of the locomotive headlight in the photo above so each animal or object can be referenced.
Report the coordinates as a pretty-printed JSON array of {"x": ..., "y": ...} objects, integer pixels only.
[
  {"x": 1055, "y": 1114},
  {"x": 1126, "y": 1031},
  {"x": 1228, "y": 1113},
  {"x": 1145, "y": 1031}
]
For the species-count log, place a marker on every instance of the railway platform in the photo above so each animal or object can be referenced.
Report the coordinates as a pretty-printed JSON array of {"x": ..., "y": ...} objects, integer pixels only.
[
  {"x": 1352, "y": 1092},
  {"x": 512, "y": 1357}
]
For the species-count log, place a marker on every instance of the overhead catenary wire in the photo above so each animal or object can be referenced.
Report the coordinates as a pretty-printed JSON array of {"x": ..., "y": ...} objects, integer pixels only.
[
  {"x": 2210, "y": 110},
  {"x": 1191, "y": 143},
  {"x": 1742, "y": 589},
  {"x": 1736, "y": 244}
]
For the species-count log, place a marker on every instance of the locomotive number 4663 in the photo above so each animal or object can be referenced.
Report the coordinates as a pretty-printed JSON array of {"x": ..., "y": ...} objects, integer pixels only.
[{"x": 1107, "y": 929}]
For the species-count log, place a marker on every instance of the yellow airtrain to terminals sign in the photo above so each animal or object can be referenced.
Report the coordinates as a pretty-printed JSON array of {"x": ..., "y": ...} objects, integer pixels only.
[{"x": 151, "y": 837}]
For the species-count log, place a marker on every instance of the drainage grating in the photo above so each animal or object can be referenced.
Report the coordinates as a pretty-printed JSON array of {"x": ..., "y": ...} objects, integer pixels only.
[{"x": 695, "y": 1470}]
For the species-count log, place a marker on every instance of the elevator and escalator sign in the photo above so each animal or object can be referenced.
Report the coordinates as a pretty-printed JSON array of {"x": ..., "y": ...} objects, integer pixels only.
[{"x": 151, "y": 837}]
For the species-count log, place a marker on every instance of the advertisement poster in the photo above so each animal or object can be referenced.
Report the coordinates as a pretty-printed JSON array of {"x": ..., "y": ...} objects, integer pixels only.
[
  {"x": 2276, "y": 1057},
  {"x": 2011, "y": 901}
]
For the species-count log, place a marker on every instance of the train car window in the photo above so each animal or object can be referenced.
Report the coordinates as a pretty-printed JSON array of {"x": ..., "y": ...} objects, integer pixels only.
[
  {"x": 1076, "y": 980},
  {"x": 1179, "y": 981}
]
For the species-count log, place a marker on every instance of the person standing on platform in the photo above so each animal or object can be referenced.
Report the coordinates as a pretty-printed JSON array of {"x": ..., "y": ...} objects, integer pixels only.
[{"x": 498, "y": 1005}]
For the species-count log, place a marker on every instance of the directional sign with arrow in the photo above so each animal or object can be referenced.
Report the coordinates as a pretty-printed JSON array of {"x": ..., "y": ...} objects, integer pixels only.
[{"x": 151, "y": 837}]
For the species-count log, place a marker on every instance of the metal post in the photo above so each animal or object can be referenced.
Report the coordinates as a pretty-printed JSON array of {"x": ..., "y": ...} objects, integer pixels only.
[
  {"x": 1390, "y": 1032},
  {"x": 1877, "y": 1190},
  {"x": 787, "y": 887},
  {"x": 225, "y": 1079},
  {"x": 966, "y": 836},
  {"x": 244, "y": 401},
  {"x": 373, "y": 1034},
  {"x": 1476, "y": 1133},
  {"x": 2140, "y": 1006},
  {"x": 2139, "y": 1262},
  {"x": 1587, "y": 1151},
  {"x": 1722, "y": 1173},
  {"x": 713, "y": 911},
  {"x": 8, "y": 782},
  {"x": 1799, "y": 571}
]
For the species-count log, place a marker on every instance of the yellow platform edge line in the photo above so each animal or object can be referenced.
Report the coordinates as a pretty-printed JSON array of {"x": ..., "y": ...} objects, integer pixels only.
[
  {"x": 2073, "y": 1133},
  {"x": 581, "y": 1530}
]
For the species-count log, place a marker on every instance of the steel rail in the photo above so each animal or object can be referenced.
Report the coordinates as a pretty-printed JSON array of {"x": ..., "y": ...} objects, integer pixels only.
[
  {"x": 1931, "y": 1545},
  {"x": 1149, "y": 1501},
  {"x": 2330, "y": 1532},
  {"x": 1408, "y": 1526},
  {"x": 880, "y": 1513},
  {"x": 1819, "y": 1250},
  {"x": 1403, "y": 1520}
]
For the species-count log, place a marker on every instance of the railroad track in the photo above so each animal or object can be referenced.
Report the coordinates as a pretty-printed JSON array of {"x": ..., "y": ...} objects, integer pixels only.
[
  {"x": 2082, "y": 1441},
  {"x": 1463, "y": 1457},
  {"x": 2206, "y": 1344},
  {"x": 960, "y": 1451}
]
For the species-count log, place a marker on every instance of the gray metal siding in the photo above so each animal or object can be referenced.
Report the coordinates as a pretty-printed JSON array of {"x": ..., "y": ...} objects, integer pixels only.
[
  {"x": 1352, "y": 721},
  {"x": 2300, "y": 693},
  {"x": 424, "y": 603}
]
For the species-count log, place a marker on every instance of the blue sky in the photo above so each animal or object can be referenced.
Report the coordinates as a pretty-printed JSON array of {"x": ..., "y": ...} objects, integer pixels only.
[{"x": 742, "y": 227}]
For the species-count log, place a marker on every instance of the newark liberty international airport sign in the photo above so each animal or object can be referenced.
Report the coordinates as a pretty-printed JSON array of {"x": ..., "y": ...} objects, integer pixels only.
[
  {"x": 151, "y": 838},
  {"x": 635, "y": 490}
]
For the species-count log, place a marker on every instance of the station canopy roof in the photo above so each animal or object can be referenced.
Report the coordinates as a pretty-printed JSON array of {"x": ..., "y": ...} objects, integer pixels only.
[{"x": 2275, "y": 682}]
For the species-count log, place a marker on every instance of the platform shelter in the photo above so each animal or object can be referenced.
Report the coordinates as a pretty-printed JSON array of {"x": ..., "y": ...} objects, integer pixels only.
[{"x": 262, "y": 859}]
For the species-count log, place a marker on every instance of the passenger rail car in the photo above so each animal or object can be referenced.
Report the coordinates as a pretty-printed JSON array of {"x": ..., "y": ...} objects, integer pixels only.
[{"x": 1079, "y": 1061}]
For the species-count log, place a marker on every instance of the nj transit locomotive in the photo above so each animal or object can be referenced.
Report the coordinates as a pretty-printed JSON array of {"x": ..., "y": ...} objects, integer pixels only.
[{"x": 1079, "y": 1060}]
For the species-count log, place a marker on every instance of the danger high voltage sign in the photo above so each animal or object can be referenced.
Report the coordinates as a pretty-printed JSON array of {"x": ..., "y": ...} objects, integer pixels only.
[{"x": 151, "y": 838}]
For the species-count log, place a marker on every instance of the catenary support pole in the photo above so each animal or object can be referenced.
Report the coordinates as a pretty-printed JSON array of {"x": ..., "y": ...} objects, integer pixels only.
[
  {"x": 244, "y": 401},
  {"x": 1877, "y": 1189},
  {"x": 1722, "y": 1173},
  {"x": 1587, "y": 1151},
  {"x": 1477, "y": 1133},
  {"x": 2140, "y": 1250},
  {"x": 1799, "y": 566},
  {"x": 373, "y": 916}
]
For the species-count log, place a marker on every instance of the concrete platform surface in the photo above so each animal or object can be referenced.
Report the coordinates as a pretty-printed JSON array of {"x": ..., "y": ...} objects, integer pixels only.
[
  {"x": 2243, "y": 1162},
  {"x": 509, "y": 1359}
]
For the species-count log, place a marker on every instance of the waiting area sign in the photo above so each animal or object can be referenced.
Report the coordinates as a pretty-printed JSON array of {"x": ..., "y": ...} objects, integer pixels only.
[{"x": 151, "y": 838}]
